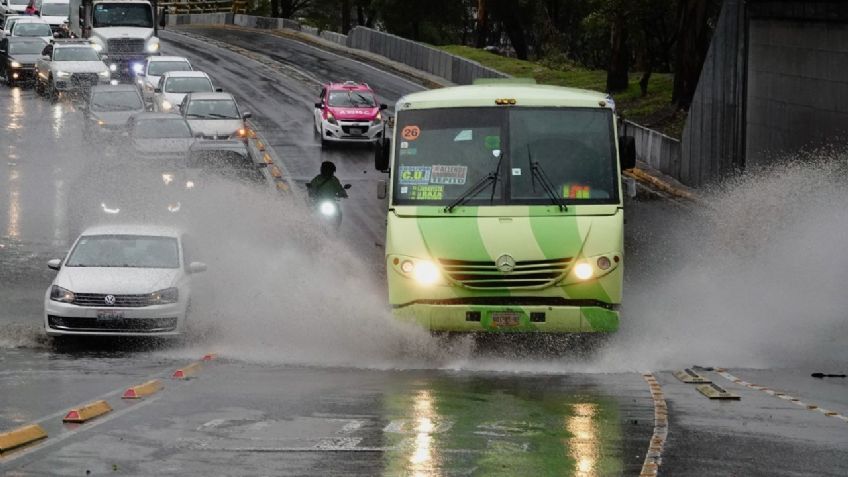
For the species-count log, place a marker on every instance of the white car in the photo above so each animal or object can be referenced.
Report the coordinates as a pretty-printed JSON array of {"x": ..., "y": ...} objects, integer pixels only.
[
  {"x": 68, "y": 65},
  {"x": 32, "y": 27},
  {"x": 7, "y": 22},
  {"x": 214, "y": 116},
  {"x": 54, "y": 12},
  {"x": 154, "y": 68},
  {"x": 121, "y": 280},
  {"x": 174, "y": 85},
  {"x": 14, "y": 6}
]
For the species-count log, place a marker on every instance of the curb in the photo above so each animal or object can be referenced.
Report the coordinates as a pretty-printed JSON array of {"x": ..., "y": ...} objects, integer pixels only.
[
  {"x": 21, "y": 436},
  {"x": 653, "y": 182},
  {"x": 142, "y": 390},
  {"x": 87, "y": 412}
]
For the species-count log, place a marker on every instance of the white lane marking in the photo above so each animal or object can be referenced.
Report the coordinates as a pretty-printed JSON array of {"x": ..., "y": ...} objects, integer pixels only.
[
  {"x": 786, "y": 397},
  {"x": 51, "y": 441},
  {"x": 653, "y": 458}
]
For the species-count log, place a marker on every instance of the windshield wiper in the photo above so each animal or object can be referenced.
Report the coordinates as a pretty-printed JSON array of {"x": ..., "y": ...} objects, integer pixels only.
[
  {"x": 480, "y": 186},
  {"x": 539, "y": 173},
  {"x": 220, "y": 116}
]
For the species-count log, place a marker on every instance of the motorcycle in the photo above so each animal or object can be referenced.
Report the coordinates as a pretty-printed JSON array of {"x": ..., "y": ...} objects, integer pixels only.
[{"x": 328, "y": 209}]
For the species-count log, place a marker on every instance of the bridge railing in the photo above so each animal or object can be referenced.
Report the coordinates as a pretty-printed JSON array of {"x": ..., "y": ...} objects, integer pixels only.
[{"x": 205, "y": 6}]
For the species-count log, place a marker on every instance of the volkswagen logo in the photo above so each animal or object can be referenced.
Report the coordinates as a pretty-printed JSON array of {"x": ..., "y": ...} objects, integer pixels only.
[
  {"x": 109, "y": 299},
  {"x": 505, "y": 263}
]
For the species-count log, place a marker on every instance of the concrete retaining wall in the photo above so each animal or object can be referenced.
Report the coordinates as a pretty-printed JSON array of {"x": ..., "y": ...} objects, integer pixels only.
[{"x": 659, "y": 151}]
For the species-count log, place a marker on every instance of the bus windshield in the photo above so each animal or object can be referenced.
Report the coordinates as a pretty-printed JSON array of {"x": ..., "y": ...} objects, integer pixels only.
[{"x": 512, "y": 153}]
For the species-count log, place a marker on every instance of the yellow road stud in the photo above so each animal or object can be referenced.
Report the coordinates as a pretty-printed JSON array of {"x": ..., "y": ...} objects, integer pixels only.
[
  {"x": 87, "y": 412},
  {"x": 21, "y": 436},
  {"x": 142, "y": 390}
]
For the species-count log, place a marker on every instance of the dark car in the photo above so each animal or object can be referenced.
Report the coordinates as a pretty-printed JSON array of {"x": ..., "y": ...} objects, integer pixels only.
[
  {"x": 109, "y": 109},
  {"x": 162, "y": 137},
  {"x": 17, "y": 58}
]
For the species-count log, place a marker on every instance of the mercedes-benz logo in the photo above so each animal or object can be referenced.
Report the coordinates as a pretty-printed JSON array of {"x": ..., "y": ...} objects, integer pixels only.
[
  {"x": 109, "y": 299},
  {"x": 505, "y": 263}
]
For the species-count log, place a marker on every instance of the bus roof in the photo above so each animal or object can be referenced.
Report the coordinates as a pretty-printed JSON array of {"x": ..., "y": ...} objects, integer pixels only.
[{"x": 486, "y": 94}]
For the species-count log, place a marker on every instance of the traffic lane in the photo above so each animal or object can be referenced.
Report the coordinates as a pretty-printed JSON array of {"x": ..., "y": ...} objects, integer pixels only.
[
  {"x": 324, "y": 65},
  {"x": 757, "y": 435},
  {"x": 246, "y": 419},
  {"x": 282, "y": 110}
]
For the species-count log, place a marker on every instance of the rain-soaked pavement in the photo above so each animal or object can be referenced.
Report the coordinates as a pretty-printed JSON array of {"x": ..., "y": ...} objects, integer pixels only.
[{"x": 310, "y": 378}]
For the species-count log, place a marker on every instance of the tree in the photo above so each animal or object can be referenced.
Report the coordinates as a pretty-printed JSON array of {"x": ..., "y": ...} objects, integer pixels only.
[
  {"x": 287, "y": 8},
  {"x": 694, "y": 36}
]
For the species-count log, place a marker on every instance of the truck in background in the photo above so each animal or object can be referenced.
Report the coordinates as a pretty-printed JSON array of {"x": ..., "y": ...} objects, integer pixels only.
[
  {"x": 123, "y": 31},
  {"x": 54, "y": 12}
]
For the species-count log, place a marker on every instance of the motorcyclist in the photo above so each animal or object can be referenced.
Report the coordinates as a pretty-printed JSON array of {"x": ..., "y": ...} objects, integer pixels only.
[{"x": 326, "y": 185}]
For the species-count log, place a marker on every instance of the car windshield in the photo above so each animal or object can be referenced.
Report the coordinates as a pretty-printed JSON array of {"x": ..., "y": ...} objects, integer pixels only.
[
  {"x": 28, "y": 47},
  {"x": 123, "y": 14},
  {"x": 441, "y": 154},
  {"x": 54, "y": 9},
  {"x": 188, "y": 85},
  {"x": 31, "y": 29},
  {"x": 212, "y": 109},
  {"x": 129, "y": 251},
  {"x": 115, "y": 101},
  {"x": 351, "y": 99},
  {"x": 158, "y": 68},
  {"x": 75, "y": 54},
  {"x": 161, "y": 128}
]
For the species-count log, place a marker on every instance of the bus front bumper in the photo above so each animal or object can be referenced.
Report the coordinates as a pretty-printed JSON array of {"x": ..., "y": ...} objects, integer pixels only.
[{"x": 510, "y": 319}]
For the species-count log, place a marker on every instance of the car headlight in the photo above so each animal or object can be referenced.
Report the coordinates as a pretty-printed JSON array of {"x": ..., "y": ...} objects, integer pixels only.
[
  {"x": 153, "y": 47},
  {"x": 583, "y": 271},
  {"x": 137, "y": 68},
  {"x": 62, "y": 74},
  {"x": 328, "y": 208},
  {"x": 166, "y": 105},
  {"x": 161, "y": 297},
  {"x": 15, "y": 64},
  {"x": 105, "y": 74},
  {"x": 112, "y": 67},
  {"x": 97, "y": 47},
  {"x": 330, "y": 118},
  {"x": 240, "y": 133},
  {"x": 60, "y": 294}
]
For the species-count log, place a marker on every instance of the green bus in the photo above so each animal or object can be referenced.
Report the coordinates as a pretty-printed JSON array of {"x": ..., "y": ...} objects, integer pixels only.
[{"x": 505, "y": 209}]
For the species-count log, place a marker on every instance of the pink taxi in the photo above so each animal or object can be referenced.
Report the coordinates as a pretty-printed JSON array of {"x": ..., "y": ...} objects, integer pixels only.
[{"x": 348, "y": 112}]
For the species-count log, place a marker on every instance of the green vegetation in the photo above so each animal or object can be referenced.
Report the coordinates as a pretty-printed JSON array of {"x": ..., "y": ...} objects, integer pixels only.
[{"x": 654, "y": 110}]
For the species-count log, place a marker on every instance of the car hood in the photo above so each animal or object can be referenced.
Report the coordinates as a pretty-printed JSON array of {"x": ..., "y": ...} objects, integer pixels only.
[
  {"x": 218, "y": 127},
  {"x": 80, "y": 66},
  {"x": 355, "y": 114},
  {"x": 115, "y": 280},
  {"x": 162, "y": 145},
  {"x": 174, "y": 98},
  {"x": 108, "y": 33},
  {"x": 25, "y": 59},
  {"x": 114, "y": 118}
]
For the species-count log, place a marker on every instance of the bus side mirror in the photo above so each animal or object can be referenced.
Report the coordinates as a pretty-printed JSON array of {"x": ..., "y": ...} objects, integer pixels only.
[
  {"x": 382, "y": 189},
  {"x": 627, "y": 152},
  {"x": 381, "y": 154}
]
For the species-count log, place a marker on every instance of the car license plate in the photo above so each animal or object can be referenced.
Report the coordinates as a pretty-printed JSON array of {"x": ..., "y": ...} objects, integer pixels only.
[
  {"x": 505, "y": 319},
  {"x": 355, "y": 131},
  {"x": 109, "y": 315}
]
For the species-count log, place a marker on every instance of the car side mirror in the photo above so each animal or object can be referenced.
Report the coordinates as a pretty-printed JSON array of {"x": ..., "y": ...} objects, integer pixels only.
[
  {"x": 381, "y": 155},
  {"x": 627, "y": 152},
  {"x": 382, "y": 189},
  {"x": 319, "y": 105},
  {"x": 247, "y": 115},
  {"x": 219, "y": 90},
  {"x": 54, "y": 264},
  {"x": 384, "y": 107},
  {"x": 347, "y": 186},
  {"x": 197, "y": 267},
  {"x": 157, "y": 90}
]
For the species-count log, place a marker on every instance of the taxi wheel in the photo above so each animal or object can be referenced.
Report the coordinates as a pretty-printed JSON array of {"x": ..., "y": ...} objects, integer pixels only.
[{"x": 324, "y": 142}]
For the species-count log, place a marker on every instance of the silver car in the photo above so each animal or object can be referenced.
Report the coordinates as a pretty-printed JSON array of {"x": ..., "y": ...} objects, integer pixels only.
[
  {"x": 214, "y": 116},
  {"x": 68, "y": 65},
  {"x": 174, "y": 85},
  {"x": 154, "y": 68}
]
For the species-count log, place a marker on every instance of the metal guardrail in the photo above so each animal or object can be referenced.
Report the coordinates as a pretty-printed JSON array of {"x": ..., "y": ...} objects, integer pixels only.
[{"x": 205, "y": 6}]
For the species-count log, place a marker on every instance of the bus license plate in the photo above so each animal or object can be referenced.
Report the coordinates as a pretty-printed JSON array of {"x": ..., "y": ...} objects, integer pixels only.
[
  {"x": 109, "y": 315},
  {"x": 505, "y": 319}
]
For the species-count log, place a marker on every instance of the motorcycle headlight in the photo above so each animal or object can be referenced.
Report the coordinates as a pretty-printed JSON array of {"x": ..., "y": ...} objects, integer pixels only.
[
  {"x": 328, "y": 208},
  {"x": 153, "y": 47},
  {"x": 60, "y": 294},
  {"x": 168, "y": 295},
  {"x": 62, "y": 74},
  {"x": 15, "y": 64}
]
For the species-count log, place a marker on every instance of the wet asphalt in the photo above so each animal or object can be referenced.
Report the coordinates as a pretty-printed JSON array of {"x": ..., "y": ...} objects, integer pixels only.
[{"x": 250, "y": 412}]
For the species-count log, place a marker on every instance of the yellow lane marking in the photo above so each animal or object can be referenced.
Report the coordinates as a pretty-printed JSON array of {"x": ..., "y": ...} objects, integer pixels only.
[
  {"x": 21, "y": 436},
  {"x": 275, "y": 171},
  {"x": 87, "y": 412},
  {"x": 267, "y": 158},
  {"x": 689, "y": 376},
  {"x": 653, "y": 458},
  {"x": 259, "y": 145},
  {"x": 714, "y": 391},
  {"x": 781, "y": 395},
  {"x": 187, "y": 372},
  {"x": 146, "y": 389}
]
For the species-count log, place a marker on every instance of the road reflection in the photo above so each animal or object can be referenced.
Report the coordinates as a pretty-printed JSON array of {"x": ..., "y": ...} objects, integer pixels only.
[{"x": 499, "y": 426}]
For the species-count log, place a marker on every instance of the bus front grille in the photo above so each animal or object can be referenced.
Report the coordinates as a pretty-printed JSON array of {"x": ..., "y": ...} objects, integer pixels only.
[{"x": 526, "y": 274}]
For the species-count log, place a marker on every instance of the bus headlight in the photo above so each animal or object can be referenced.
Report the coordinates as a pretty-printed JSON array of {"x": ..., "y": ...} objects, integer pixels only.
[
  {"x": 583, "y": 271},
  {"x": 425, "y": 273}
]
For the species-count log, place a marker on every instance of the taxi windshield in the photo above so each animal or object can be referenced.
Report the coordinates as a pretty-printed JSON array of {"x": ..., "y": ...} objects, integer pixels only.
[
  {"x": 351, "y": 99},
  {"x": 513, "y": 154}
]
